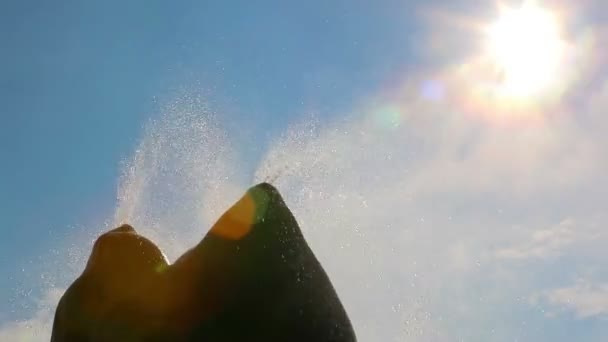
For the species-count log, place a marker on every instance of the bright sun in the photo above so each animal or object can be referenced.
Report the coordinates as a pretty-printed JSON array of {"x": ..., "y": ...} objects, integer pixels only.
[{"x": 526, "y": 47}]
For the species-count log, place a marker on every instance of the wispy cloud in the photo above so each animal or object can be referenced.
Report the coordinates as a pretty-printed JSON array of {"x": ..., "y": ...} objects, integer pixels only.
[
  {"x": 585, "y": 299},
  {"x": 38, "y": 327},
  {"x": 542, "y": 243}
]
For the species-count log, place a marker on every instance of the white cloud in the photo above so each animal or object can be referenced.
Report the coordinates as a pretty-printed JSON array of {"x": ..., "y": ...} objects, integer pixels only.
[
  {"x": 38, "y": 327},
  {"x": 585, "y": 299},
  {"x": 542, "y": 243}
]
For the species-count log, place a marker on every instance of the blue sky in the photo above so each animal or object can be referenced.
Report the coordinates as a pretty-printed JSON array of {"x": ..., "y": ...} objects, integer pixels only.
[
  {"x": 461, "y": 226},
  {"x": 81, "y": 78}
]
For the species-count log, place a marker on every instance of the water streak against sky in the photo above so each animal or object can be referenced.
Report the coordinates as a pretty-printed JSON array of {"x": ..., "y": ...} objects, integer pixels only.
[{"x": 182, "y": 176}]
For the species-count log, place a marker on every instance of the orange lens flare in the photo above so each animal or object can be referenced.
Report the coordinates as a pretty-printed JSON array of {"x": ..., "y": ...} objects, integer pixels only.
[{"x": 237, "y": 222}]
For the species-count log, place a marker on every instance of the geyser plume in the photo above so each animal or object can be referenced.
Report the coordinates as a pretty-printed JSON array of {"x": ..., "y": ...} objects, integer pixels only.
[
  {"x": 347, "y": 186},
  {"x": 181, "y": 178}
]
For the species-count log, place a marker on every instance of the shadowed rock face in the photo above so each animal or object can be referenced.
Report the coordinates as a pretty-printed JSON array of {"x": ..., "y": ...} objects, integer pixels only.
[{"x": 252, "y": 278}]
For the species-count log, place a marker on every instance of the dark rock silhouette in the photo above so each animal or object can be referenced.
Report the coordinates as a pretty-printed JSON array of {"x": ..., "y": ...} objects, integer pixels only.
[
  {"x": 116, "y": 297},
  {"x": 252, "y": 278}
]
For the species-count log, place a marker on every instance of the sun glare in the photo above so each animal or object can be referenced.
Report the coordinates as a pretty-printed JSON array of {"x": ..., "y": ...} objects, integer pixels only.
[{"x": 526, "y": 48}]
